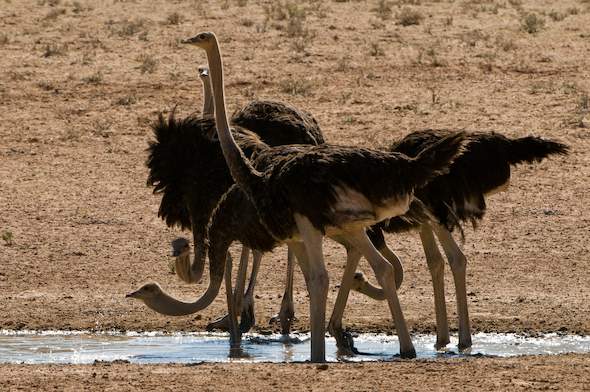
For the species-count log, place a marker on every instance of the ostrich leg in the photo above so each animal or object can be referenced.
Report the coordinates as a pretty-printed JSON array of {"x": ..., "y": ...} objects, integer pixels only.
[
  {"x": 385, "y": 274},
  {"x": 311, "y": 260},
  {"x": 394, "y": 260},
  {"x": 458, "y": 263},
  {"x": 436, "y": 265},
  {"x": 234, "y": 332},
  {"x": 378, "y": 240},
  {"x": 344, "y": 340},
  {"x": 287, "y": 313},
  {"x": 223, "y": 323},
  {"x": 247, "y": 318},
  {"x": 241, "y": 278}
]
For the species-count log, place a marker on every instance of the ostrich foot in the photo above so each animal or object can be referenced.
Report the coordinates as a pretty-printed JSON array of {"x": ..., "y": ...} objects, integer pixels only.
[
  {"x": 465, "y": 347},
  {"x": 441, "y": 344},
  {"x": 344, "y": 342},
  {"x": 221, "y": 324},
  {"x": 285, "y": 317},
  {"x": 247, "y": 318},
  {"x": 410, "y": 354}
]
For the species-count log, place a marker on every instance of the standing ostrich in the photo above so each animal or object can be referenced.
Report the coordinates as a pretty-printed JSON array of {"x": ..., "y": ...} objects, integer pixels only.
[
  {"x": 457, "y": 196},
  {"x": 305, "y": 192},
  {"x": 186, "y": 165}
]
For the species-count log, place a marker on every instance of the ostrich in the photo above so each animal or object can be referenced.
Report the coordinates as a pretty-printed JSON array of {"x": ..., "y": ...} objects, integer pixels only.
[
  {"x": 458, "y": 196},
  {"x": 187, "y": 167},
  {"x": 207, "y": 96},
  {"x": 305, "y": 192}
]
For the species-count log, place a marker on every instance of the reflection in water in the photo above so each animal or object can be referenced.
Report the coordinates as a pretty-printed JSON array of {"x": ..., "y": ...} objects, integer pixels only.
[{"x": 152, "y": 347}]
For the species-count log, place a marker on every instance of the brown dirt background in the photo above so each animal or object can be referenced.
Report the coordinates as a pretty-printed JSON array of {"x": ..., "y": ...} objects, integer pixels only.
[{"x": 80, "y": 82}]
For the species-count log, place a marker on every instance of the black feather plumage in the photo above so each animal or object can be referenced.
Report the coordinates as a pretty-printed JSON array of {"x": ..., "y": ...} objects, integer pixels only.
[
  {"x": 187, "y": 167},
  {"x": 277, "y": 123},
  {"x": 459, "y": 195}
]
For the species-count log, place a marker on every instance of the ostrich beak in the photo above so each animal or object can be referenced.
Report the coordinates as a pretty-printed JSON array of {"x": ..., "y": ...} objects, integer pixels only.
[
  {"x": 131, "y": 295},
  {"x": 191, "y": 40}
]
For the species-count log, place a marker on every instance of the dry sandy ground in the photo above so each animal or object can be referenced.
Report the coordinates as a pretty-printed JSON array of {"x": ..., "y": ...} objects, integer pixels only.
[
  {"x": 569, "y": 373},
  {"x": 81, "y": 81}
]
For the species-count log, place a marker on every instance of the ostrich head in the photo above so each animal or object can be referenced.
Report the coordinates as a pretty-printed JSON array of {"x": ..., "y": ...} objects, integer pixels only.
[
  {"x": 146, "y": 292},
  {"x": 203, "y": 72},
  {"x": 204, "y": 40},
  {"x": 180, "y": 247}
]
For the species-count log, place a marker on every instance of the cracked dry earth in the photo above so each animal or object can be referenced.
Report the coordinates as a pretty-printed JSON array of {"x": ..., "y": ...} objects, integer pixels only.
[{"x": 81, "y": 81}]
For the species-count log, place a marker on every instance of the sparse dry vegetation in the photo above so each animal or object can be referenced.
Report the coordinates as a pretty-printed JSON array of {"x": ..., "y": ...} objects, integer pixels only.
[
  {"x": 296, "y": 87},
  {"x": 532, "y": 23},
  {"x": 174, "y": 18},
  {"x": 127, "y": 28},
  {"x": 95, "y": 78},
  {"x": 51, "y": 50},
  {"x": 376, "y": 50},
  {"x": 148, "y": 63},
  {"x": 54, "y": 14},
  {"x": 409, "y": 16},
  {"x": 7, "y": 237},
  {"x": 383, "y": 9}
]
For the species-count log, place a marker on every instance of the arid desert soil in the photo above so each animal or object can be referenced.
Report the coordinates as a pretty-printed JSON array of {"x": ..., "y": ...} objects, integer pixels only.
[
  {"x": 81, "y": 81},
  {"x": 569, "y": 373}
]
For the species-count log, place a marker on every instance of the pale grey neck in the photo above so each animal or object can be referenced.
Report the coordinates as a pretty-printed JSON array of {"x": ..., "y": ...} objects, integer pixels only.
[
  {"x": 208, "y": 107},
  {"x": 240, "y": 168},
  {"x": 372, "y": 292},
  {"x": 167, "y": 305}
]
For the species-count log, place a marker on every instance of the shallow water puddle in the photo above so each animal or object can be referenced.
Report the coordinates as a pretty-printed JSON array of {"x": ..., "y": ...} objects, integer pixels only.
[{"x": 78, "y": 347}]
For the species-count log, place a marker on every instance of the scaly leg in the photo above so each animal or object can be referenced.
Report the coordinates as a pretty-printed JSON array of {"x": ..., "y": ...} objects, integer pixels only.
[
  {"x": 241, "y": 278},
  {"x": 376, "y": 236},
  {"x": 385, "y": 274},
  {"x": 436, "y": 265},
  {"x": 223, "y": 323},
  {"x": 311, "y": 259},
  {"x": 458, "y": 263},
  {"x": 247, "y": 318},
  {"x": 344, "y": 340},
  {"x": 287, "y": 313},
  {"x": 234, "y": 333}
]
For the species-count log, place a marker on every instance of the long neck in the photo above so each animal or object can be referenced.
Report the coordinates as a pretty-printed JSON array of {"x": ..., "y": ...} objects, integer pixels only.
[
  {"x": 208, "y": 108},
  {"x": 167, "y": 305},
  {"x": 370, "y": 291},
  {"x": 240, "y": 168},
  {"x": 200, "y": 250},
  {"x": 192, "y": 272}
]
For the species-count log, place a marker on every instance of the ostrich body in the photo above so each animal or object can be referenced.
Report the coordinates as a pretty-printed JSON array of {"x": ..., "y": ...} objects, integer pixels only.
[
  {"x": 306, "y": 192},
  {"x": 457, "y": 196}
]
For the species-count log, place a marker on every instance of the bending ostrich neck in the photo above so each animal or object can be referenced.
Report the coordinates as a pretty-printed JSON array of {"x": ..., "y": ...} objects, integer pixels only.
[
  {"x": 208, "y": 108},
  {"x": 371, "y": 291},
  {"x": 200, "y": 253},
  {"x": 240, "y": 168},
  {"x": 165, "y": 304}
]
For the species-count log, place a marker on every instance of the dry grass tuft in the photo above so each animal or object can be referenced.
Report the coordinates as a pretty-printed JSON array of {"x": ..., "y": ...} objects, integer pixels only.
[
  {"x": 174, "y": 19},
  {"x": 95, "y": 78},
  {"x": 383, "y": 9},
  {"x": 296, "y": 87},
  {"x": 149, "y": 64},
  {"x": 408, "y": 17},
  {"x": 51, "y": 50},
  {"x": 532, "y": 23}
]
